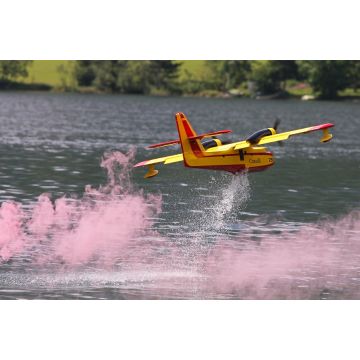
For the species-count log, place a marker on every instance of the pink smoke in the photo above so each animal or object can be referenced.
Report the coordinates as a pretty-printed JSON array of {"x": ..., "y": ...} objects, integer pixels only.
[
  {"x": 11, "y": 235},
  {"x": 97, "y": 226},
  {"x": 290, "y": 265}
]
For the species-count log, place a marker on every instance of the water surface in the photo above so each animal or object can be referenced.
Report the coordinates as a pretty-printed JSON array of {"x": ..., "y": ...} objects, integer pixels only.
[{"x": 227, "y": 237}]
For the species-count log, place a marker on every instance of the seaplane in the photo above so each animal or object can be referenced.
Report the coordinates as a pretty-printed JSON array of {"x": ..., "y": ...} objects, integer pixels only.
[{"x": 207, "y": 151}]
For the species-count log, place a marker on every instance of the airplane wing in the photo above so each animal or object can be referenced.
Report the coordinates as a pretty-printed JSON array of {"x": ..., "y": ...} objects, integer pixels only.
[
  {"x": 285, "y": 135},
  {"x": 241, "y": 145},
  {"x": 166, "y": 160}
]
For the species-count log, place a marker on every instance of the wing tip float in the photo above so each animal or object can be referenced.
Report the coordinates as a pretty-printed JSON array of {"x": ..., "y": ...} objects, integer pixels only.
[
  {"x": 326, "y": 133},
  {"x": 151, "y": 172}
]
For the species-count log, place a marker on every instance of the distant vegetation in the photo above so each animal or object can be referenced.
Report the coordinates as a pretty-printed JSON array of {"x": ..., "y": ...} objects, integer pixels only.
[
  {"x": 325, "y": 79},
  {"x": 129, "y": 77}
]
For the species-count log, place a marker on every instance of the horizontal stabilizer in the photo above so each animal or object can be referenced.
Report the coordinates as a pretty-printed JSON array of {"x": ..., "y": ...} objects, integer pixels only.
[
  {"x": 162, "y": 144},
  {"x": 197, "y": 137},
  {"x": 201, "y": 136}
]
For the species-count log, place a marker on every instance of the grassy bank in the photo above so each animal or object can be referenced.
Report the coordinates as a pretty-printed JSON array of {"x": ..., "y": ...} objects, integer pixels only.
[
  {"x": 194, "y": 68},
  {"x": 45, "y": 71}
]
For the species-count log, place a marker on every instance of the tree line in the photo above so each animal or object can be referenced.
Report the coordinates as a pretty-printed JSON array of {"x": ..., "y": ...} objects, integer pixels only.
[
  {"x": 262, "y": 77},
  {"x": 327, "y": 77}
]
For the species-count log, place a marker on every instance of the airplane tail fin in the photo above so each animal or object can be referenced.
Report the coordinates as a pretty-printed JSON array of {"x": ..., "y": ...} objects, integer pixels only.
[{"x": 189, "y": 140}]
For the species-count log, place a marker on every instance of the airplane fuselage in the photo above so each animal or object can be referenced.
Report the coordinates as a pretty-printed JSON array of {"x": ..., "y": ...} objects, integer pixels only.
[{"x": 234, "y": 161}]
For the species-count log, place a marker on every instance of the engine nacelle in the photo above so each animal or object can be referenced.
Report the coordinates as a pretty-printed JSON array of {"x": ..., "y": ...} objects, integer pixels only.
[
  {"x": 258, "y": 135},
  {"x": 213, "y": 142}
]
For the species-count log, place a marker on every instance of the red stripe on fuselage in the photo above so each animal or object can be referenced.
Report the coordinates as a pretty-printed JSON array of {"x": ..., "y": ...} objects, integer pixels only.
[
  {"x": 251, "y": 154},
  {"x": 233, "y": 168}
]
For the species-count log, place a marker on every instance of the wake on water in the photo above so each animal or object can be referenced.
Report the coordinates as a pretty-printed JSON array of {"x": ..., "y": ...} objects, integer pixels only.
[{"x": 110, "y": 230}]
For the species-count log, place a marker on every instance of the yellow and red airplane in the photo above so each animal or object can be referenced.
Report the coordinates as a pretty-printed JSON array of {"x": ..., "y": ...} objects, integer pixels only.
[{"x": 246, "y": 155}]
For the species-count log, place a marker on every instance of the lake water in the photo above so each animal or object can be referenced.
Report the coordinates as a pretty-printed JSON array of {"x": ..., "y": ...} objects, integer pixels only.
[{"x": 290, "y": 232}]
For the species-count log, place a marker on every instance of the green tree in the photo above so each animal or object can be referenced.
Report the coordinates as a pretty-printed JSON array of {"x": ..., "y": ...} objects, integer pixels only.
[
  {"x": 327, "y": 77},
  {"x": 107, "y": 73},
  {"x": 67, "y": 79},
  {"x": 354, "y": 74},
  {"x": 128, "y": 76},
  {"x": 13, "y": 69},
  {"x": 235, "y": 72},
  {"x": 226, "y": 74},
  {"x": 84, "y": 72},
  {"x": 270, "y": 76},
  {"x": 145, "y": 77}
]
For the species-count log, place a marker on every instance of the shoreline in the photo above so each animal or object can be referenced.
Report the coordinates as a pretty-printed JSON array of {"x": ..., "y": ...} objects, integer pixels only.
[{"x": 214, "y": 94}]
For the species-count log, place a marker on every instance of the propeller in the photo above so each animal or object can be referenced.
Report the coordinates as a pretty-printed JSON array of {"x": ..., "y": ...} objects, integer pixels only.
[
  {"x": 275, "y": 127},
  {"x": 276, "y": 123}
]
